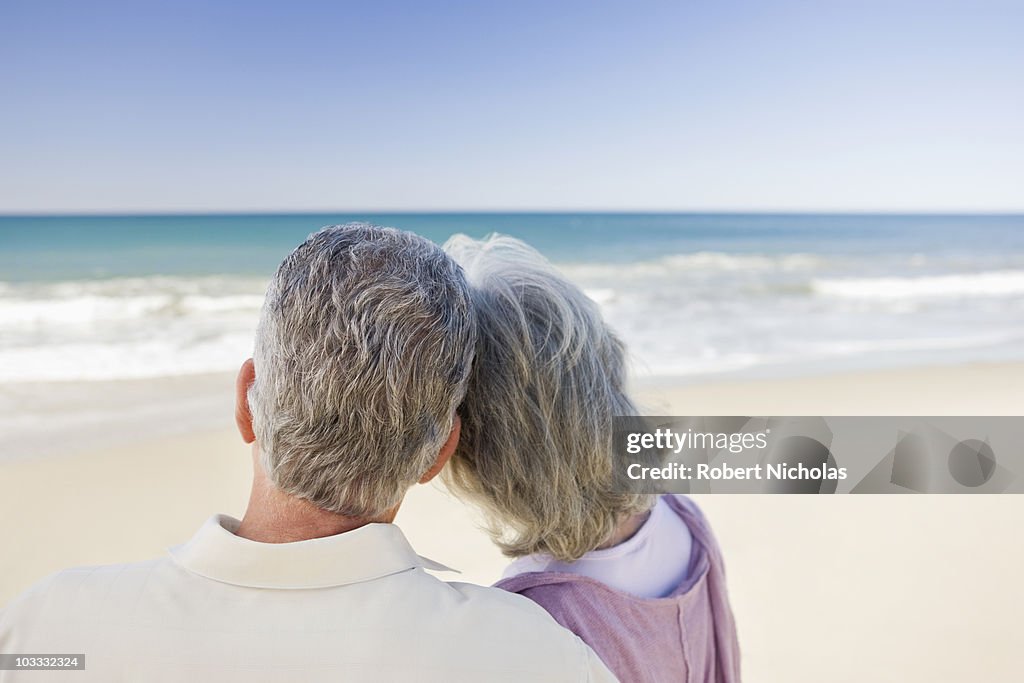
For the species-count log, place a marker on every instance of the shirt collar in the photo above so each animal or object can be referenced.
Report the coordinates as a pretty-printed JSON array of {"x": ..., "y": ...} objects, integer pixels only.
[{"x": 363, "y": 554}]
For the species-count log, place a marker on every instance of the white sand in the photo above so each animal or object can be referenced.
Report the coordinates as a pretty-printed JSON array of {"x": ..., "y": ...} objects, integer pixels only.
[{"x": 831, "y": 588}]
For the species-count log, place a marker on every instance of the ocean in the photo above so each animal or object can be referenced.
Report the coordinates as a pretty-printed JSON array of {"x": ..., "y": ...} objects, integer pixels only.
[{"x": 693, "y": 295}]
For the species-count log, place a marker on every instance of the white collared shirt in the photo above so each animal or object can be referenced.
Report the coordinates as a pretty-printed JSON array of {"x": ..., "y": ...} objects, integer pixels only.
[{"x": 353, "y": 607}]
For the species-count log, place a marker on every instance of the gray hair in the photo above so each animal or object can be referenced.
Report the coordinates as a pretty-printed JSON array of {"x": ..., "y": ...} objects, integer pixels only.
[
  {"x": 362, "y": 354},
  {"x": 536, "y": 446}
]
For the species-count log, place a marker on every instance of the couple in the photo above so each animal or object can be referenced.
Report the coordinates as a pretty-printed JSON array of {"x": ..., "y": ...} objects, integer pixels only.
[{"x": 379, "y": 360}]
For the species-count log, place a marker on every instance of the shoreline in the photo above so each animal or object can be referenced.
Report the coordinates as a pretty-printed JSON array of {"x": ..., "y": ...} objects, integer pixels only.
[
  {"x": 79, "y": 417},
  {"x": 932, "y": 390}
]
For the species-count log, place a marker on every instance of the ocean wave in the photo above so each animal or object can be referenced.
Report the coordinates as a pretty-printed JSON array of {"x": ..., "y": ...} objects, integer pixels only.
[
  {"x": 84, "y": 303},
  {"x": 126, "y": 328},
  {"x": 700, "y": 261},
  {"x": 129, "y": 286},
  {"x": 160, "y": 356},
  {"x": 674, "y": 317},
  {"x": 986, "y": 284},
  {"x": 602, "y": 297},
  {"x": 95, "y": 309},
  {"x": 713, "y": 260}
]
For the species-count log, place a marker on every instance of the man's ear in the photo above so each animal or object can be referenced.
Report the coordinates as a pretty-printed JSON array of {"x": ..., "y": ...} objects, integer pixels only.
[
  {"x": 243, "y": 416},
  {"x": 446, "y": 451}
]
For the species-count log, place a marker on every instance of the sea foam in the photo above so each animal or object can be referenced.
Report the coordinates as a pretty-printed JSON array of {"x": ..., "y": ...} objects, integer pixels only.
[{"x": 984, "y": 284}]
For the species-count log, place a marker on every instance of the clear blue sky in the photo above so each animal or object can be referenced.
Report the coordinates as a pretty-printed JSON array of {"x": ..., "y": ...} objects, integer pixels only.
[{"x": 212, "y": 105}]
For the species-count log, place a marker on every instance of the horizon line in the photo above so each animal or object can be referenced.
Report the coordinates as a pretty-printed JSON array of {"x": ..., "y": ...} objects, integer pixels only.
[{"x": 156, "y": 213}]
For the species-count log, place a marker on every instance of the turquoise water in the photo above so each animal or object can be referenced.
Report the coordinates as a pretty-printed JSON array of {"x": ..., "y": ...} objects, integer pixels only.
[
  {"x": 132, "y": 296},
  {"x": 59, "y": 247}
]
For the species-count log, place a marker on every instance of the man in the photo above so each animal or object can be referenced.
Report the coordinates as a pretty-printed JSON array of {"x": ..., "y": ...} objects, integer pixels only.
[{"x": 362, "y": 355}]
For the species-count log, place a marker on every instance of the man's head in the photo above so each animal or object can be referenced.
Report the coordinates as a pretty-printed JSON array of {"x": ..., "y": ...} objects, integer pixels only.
[{"x": 362, "y": 354}]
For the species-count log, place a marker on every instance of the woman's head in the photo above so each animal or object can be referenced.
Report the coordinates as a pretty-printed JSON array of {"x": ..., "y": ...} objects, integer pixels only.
[{"x": 536, "y": 445}]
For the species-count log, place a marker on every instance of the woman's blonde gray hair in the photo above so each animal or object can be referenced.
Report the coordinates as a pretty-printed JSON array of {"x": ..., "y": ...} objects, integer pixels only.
[
  {"x": 362, "y": 354},
  {"x": 536, "y": 447}
]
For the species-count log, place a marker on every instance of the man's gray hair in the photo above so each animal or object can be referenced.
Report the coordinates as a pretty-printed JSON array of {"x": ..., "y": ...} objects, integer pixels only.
[
  {"x": 536, "y": 446},
  {"x": 362, "y": 355}
]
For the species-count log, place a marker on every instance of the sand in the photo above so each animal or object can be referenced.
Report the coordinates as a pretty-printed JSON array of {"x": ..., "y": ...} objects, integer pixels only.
[{"x": 838, "y": 588}]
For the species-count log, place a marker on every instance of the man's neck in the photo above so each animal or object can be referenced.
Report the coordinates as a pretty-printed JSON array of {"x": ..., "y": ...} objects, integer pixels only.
[{"x": 274, "y": 516}]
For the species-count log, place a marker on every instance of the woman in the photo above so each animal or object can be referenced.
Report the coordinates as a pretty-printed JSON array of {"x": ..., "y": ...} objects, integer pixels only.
[{"x": 638, "y": 577}]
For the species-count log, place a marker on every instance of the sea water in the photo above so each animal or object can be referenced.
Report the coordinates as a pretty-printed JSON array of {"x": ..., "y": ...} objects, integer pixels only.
[{"x": 115, "y": 297}]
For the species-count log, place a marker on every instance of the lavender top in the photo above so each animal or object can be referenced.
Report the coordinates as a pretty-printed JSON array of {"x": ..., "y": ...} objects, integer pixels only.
[{"x": 690, "y": 635}]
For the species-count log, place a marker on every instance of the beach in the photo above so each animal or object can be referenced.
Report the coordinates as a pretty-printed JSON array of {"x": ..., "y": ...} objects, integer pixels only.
[{"x": 837, "y": 588}]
